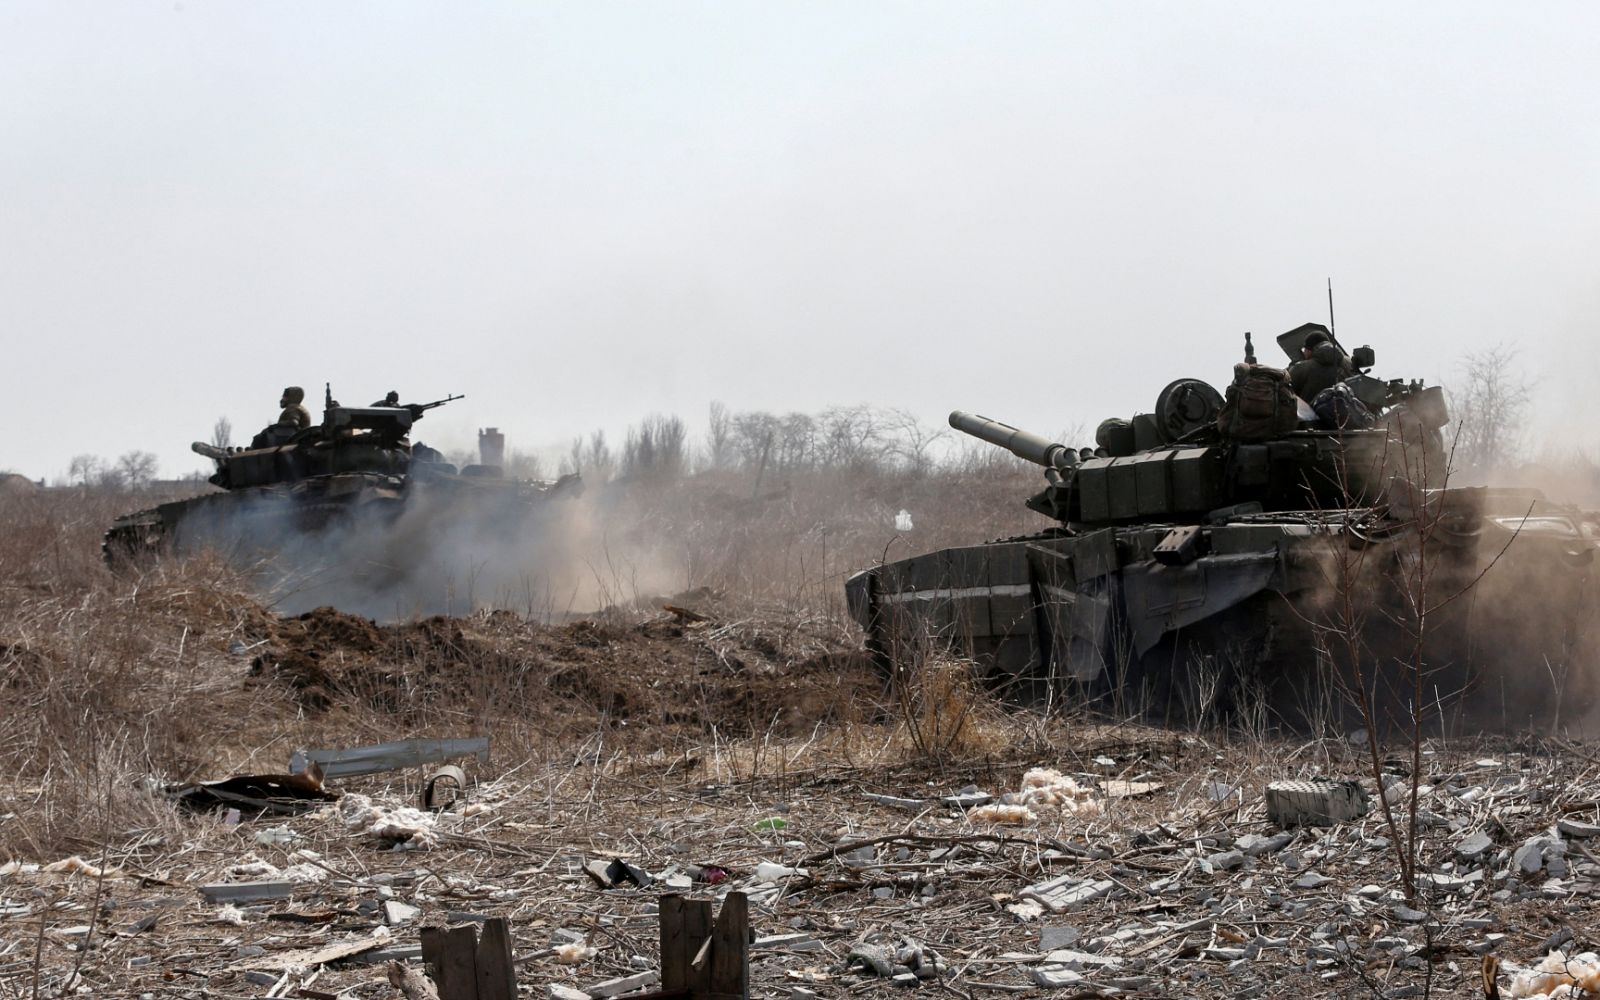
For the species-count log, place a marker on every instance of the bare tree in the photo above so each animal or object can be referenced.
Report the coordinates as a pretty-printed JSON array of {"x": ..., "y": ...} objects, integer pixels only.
[
  {"x": 852, "y": 437},
  {"x": 136, "y": 469},
  {"x": 719, "y": 437},
  {"x": 755, "y": 435},
  {"x": 599, "y": 463},
  {"x": 909, "y": 439},
  {"x": 523, "y": 465},
  {"x": 1490, "y": 407},
  {"x": 796, "y": 444},
  {"x": 85, "y": 470},
  {"x": 222, "y": 433},
  {"x": 655, "y": 448},
  {"x": 572, "y": 462}
]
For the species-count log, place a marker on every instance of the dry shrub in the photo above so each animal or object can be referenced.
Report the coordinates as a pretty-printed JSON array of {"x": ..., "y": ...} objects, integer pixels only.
[{"x": 946, "y": 713}]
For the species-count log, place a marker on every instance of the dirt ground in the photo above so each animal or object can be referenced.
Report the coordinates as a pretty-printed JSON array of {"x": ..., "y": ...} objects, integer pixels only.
[{"x": 880, "y": 831}]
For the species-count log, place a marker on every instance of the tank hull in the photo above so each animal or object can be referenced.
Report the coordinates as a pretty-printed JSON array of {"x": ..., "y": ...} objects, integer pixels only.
[
  {"x": 352, "y": 532},
  {"x": 1484, "y": 613}
]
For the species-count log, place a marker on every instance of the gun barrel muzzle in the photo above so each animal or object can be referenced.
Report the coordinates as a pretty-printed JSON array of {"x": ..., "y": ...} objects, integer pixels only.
[{"x": 1026, "y": 446}]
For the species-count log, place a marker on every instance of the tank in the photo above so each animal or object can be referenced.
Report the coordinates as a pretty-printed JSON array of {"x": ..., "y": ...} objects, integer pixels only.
[
  {"x": 355, "y": 474},
  {"x": 1314, "y": 575}
]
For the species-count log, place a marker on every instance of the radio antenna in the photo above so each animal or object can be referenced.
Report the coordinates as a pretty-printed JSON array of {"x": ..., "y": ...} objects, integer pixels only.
[{"x": 1331, "y": 333}]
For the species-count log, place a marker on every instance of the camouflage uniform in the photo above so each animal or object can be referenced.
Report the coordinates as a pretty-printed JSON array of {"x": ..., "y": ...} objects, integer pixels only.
[
  {"x": 1326, "y": 366},
  {"x": 294, "y": 414}
]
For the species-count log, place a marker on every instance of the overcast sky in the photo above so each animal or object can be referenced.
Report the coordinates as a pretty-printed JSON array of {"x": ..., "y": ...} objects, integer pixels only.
[{"x": 581, "y": 213}]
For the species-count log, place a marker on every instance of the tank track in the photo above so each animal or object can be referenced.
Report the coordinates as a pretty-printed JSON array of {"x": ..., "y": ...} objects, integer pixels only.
[
  {"x": 132, "y": 537},
  {"x": 144, "y": 533}
]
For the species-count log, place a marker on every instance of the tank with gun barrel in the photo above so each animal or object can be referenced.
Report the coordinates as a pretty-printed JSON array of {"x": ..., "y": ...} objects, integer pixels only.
[
  {"x": 355, "y": 468},
  {"x": 1223, "y": 558}
]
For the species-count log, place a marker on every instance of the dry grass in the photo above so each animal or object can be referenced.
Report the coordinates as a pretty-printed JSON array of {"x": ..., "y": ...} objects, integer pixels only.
[{"x": 631, "y": 734}]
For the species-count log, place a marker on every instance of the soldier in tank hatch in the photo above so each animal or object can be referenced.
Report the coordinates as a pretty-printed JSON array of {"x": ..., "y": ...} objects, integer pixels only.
[
  {"x": 1321, "y": 365},
  {"x": 294, "y": 412}
]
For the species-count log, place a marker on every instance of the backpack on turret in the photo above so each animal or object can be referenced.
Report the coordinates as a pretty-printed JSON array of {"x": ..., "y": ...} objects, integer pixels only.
[
  {"x": 1339, "y": 409},
  {"x": 1260, "y": 404}
]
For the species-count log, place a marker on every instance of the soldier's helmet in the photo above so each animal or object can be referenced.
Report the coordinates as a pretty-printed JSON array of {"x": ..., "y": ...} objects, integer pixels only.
[
  {"x": 293, "y": 394},
  {"x": 392, "y": 398}
]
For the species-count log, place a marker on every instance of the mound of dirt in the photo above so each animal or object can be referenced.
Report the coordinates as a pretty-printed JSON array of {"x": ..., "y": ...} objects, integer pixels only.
[{"x": 746, "y": 676}]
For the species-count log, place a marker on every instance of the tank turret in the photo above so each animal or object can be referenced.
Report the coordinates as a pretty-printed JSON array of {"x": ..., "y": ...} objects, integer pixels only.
[
  {"x": 350, "y": 439},
  {"x": 291, "y": 483}
]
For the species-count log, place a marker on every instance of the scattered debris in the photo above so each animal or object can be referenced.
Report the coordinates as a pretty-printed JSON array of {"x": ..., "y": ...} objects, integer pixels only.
[
  {"x": 77, "y": 866},
  {"x": 291, "y": 794},
  {"x": 310, "y": 958},
  {"x": 1474, "y": 845},
  {"x": 1315, "y": 802},
  {"x": 574, "y": 953},
  {"x": 967, "y": 798},
  {"x": 402, "y": 828},
  {"x": 881, "y": 955},
  {"x": 469, "y": 963},
  {"x": 622, "y": 985},
  {"x": 1577, "y": 829},
  {"x": 1558, "y": 976},
  {"x": 617, "y": 874},
  {"x": 767, "y": 871},
  {"x": 448, "y": 780},
  {"x": 1003, "y": 814},
  {"x": 909, "y": 805},
  {"x": 1130, "y": 789},
  {"x": 388, "y": 756},
  {"x": 1044, "y": 786},
  {"x": 246, "y": 892},
  {"x": 1066, "y": 891}
]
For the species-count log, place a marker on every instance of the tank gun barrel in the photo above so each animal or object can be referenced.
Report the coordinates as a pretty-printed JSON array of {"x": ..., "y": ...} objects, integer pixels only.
[
  {"x": 1026, "y": 446},
  {"x": 209, "y": 450}
]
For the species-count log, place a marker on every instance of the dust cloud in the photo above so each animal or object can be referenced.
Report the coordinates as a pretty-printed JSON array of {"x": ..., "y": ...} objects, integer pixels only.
[{"x": 443, "y": 553}]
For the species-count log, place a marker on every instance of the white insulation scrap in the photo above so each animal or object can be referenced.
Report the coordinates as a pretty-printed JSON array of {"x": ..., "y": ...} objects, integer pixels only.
[
  {"x": 252, "y": 869},
  {"x": 402, "y": 827},
  {"x": 77, "y": 866},
  {"x": 304, "y": 873},
  {"x": 1043, "y": 789},
  {"x": 1558, "y": 977},
  {"x": 1044, "y": 786},
  {"x": 1001, "y": 814},
  {"x": 574, "y": 953}
]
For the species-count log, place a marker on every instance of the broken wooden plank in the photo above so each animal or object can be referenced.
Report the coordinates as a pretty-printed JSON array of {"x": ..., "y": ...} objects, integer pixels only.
[
  {"x": 246, "y": 892},
  {"x": 285, "y": 961},
  {"x": 685, "y": 926},
  {"x": 451, "y": 955},
  {"x": 497, "y": 974},
  {"x": 730, "y": 948},
  {"x": 622, "y": 985},
  {"x": 393, "y": 953},
  {"x": 382, "y": 757}
]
